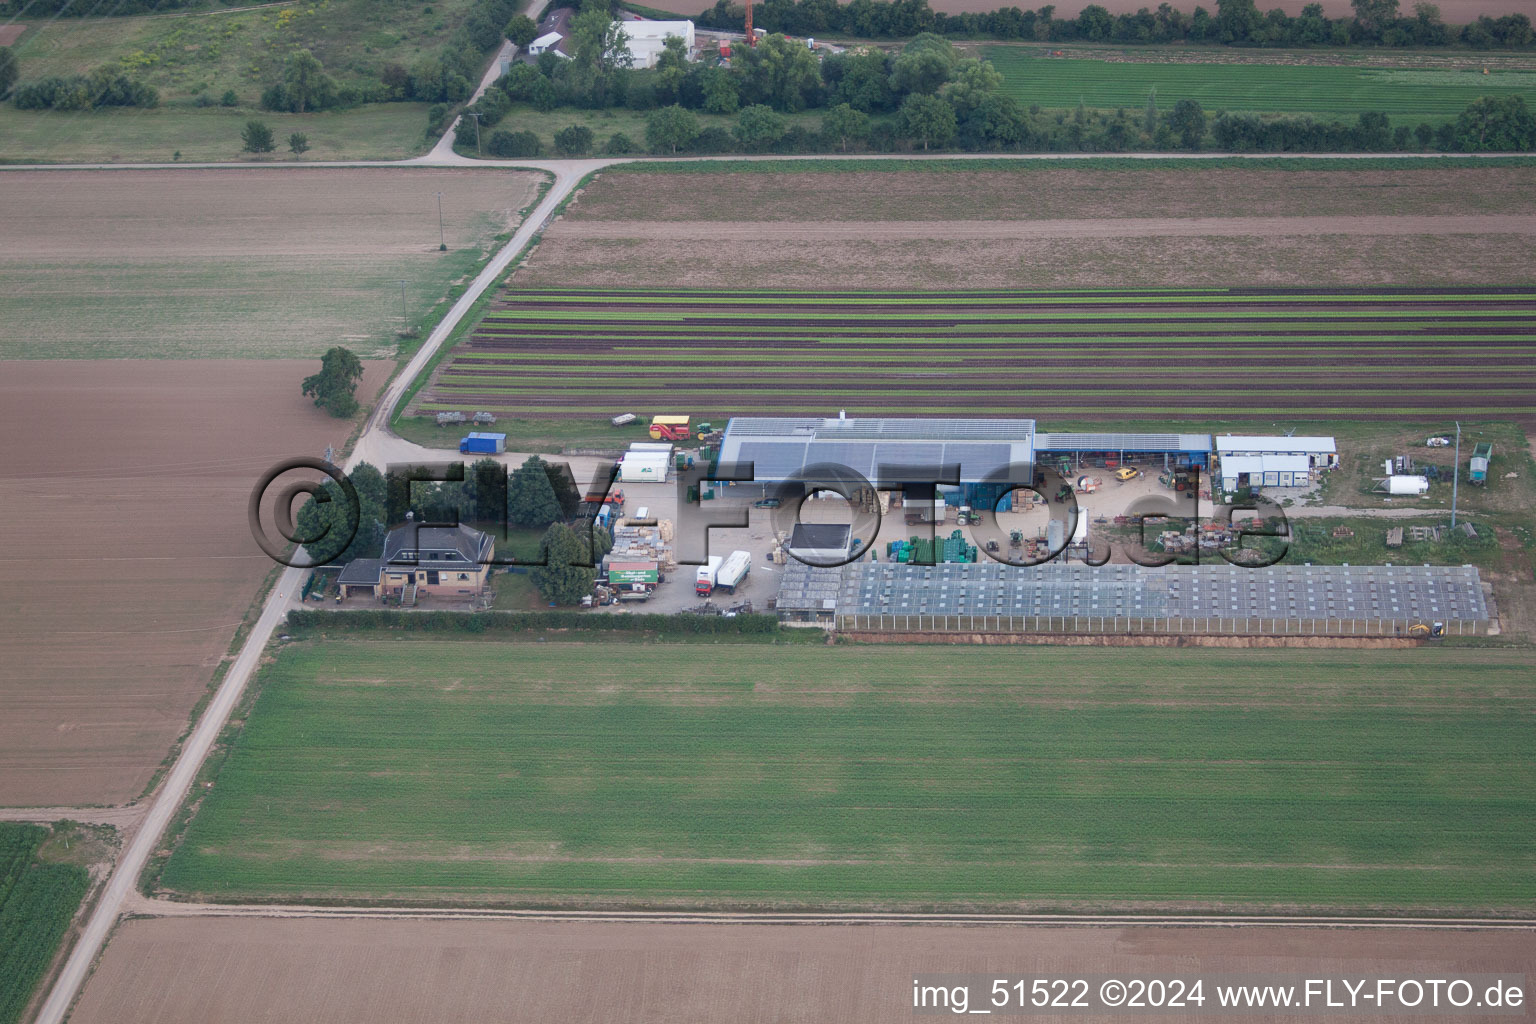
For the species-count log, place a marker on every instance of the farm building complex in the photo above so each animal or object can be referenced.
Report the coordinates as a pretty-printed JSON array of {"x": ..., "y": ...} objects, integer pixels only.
[
  {"x": 978, "y": 453},
  {"x": 1281, "y": 600}
]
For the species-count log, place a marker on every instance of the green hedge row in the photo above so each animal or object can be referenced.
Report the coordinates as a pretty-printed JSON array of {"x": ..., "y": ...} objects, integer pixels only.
[{"x": 372, "y": 620}]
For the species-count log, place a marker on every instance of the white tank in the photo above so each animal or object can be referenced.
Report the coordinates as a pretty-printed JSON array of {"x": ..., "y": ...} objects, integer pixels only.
[{"x": 1407, "y": 485}]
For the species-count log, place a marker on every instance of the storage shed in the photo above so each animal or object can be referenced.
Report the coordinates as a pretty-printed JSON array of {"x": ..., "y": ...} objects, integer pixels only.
[{"x": 1259, "y": 462}]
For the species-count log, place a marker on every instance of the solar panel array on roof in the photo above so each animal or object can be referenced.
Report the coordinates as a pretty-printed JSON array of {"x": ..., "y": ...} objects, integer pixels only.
[
  {"x": 779, "y": 448},
  {"x": 1424, "y": 593},
  {"x": 1069, "y": 442},
  {"x": 927, "y": 429}
]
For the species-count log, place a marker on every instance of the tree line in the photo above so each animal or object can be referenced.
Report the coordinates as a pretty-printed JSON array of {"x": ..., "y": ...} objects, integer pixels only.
[
  {"x": 1234, "y": 23},
  {"x": 924, "y": 97}
]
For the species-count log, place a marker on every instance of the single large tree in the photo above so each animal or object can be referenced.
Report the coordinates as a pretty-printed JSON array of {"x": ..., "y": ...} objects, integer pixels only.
[
  {"x": 531, "y": 500},
  {"x": 334, "y": 386},
  {"x": 972, "y": 82},
  {"x": 1502, "y": 123},
  {"x": 671, "y": 128},
  {"x": 257, "y": 137},
  {"x": 328, "y": 519},
  {"x": 1188, "y": 122},
  {"x": 845, "y": 124},
  {"x": 307, "y": 85},
  {"x": 521, "y": 30},
  {"x": 562, "y": 579},
  {"x": 926, "y": 119}
]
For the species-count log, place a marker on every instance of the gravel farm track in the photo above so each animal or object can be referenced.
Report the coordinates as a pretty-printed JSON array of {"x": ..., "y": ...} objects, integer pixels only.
[{"x": 1099, "y": 354}]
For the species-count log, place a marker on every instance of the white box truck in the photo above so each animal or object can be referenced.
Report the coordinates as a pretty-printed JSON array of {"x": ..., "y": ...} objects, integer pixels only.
[
  {"x": 734, "y": 570},
  {"x": 704, "y": 579}
]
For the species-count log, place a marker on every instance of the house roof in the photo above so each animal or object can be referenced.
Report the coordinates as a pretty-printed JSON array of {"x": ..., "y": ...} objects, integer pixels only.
[
  {"x": 820, "y": 537},
  {"x": 544, "y": 42},
  {"x": 1271, "y": 443},
  {"x": 361, "y": 572},
  {"x": 436, "y": 545}
]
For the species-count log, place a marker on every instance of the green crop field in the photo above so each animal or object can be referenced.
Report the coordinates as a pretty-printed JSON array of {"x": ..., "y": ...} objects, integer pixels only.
[
  {"x": 769, "y": 775},
  {"x": 37, "y": 902},
  {"x": 1328, "y": 92},
  {"x": 1190, "y": 354}
]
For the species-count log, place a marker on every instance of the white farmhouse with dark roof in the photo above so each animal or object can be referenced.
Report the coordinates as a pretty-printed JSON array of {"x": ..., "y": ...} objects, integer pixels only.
[{"x": 443, "y": 561}]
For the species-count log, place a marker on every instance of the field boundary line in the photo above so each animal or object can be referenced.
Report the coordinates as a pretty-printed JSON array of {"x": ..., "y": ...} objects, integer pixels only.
[{"x": 142, "y": 906}]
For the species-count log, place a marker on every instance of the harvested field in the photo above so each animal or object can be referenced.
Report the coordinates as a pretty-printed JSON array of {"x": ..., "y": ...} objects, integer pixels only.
[
  {"x": 757, "y": 776},
  {"x": 237, "y": 262},
  {"x": 125, "y": 487},
  {"x": 360, "y": 972},
  {"x": 1191, "y": 354}
]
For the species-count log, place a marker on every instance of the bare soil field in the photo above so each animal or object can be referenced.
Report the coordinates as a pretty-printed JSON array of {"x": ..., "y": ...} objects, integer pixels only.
[
  {"x": 862, "y": 261},
  {"x": 171, "y": 970},
  {"x": 1044, "y": 228},
  {"x": 1453, "y": 12},
  {"x": 125, "y": 485},
  {"x": 264, "y": 262}
]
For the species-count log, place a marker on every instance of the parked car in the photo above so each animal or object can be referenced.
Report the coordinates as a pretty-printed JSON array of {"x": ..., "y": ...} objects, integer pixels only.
[
  {"x": 1125, "y": 473},
  {"x": 766, "y": 503}
]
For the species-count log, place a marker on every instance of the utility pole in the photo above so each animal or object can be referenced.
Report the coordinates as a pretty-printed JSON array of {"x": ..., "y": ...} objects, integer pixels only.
[
  {"x": 1455, "y": 474},
  {"x": 442, "y": 239},
  {"x": 476, "y": 115}
]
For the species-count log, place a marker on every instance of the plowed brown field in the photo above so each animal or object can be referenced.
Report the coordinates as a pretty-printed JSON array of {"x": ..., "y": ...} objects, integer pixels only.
[
  {"x": 1044, "y": 227},
  {"x": 174, "y": 970},
  {"x": 129, "y": 560}
]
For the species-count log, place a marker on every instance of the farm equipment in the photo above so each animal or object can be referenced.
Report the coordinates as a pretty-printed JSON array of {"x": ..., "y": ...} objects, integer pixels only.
[
  {"x": 624, "y": 419},
  {"x": 1064, "y": 492},
  {"x": 484, "y": 419},
  {"x": 1481, "y": 456},
  {"x": 670, "y": 428},
  {"x": 1425, "y": 631},
  {"x": 450, "y": 419},
  {"x": 1089, "y": 484}
]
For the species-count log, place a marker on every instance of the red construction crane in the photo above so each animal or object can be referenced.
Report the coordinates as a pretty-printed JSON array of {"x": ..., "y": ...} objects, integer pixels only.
[{"x": 751, "y": 39}]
